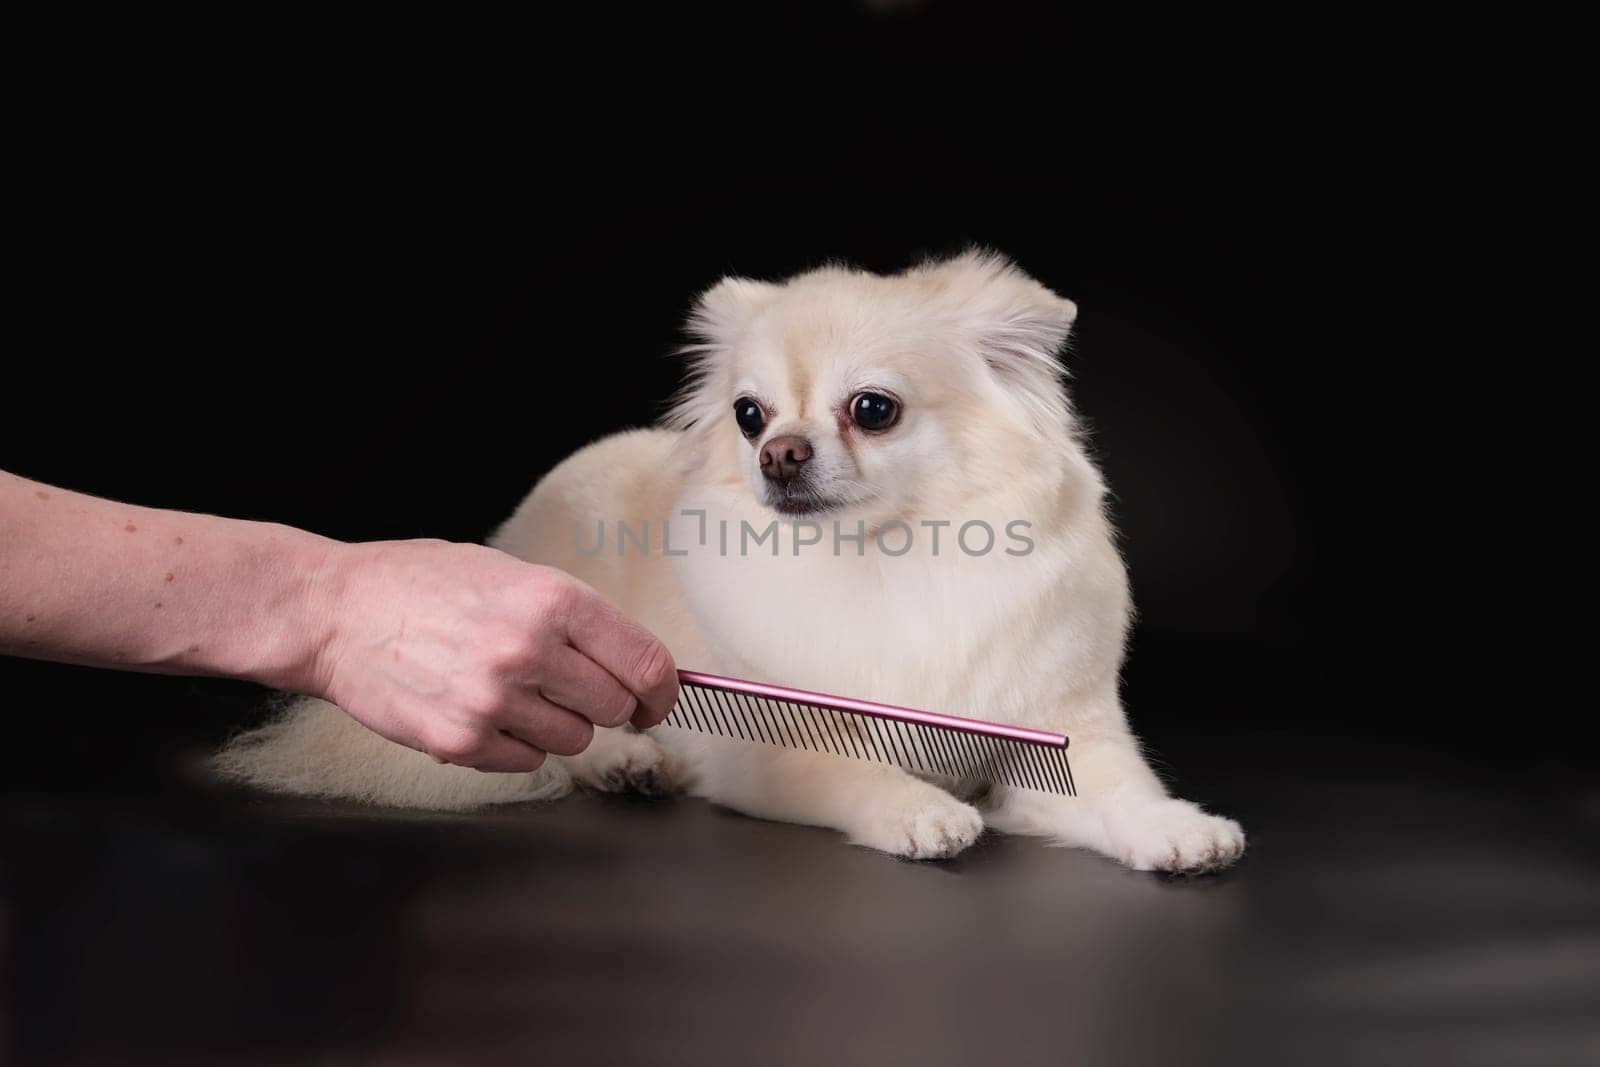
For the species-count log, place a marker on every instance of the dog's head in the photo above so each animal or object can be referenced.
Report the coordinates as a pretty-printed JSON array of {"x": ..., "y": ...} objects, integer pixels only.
[{"x": 842, "y": 393}]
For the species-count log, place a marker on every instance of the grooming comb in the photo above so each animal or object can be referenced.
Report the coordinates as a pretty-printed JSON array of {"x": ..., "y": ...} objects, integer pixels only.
[{"x": 860, "y": 729}]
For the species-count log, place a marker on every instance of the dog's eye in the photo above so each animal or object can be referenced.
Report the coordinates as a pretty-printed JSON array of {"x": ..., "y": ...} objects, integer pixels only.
[
  {"x": 874, "y": 411},
  {"x": 749, "y": 416}
]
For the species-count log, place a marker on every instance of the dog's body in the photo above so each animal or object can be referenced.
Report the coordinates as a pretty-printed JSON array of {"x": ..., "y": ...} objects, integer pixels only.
[{"x": 917, "y": 411}]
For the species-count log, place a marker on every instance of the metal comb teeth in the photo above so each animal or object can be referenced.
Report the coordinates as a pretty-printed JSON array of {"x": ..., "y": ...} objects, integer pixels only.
[{"x": 919, "y": 741}]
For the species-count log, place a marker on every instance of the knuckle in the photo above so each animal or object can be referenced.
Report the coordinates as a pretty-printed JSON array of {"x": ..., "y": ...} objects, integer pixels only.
[
  {"x": 573, "y": 739},
  {"x": 485, "y": 703},
  {"x": 618, "y": 709},
  {"x": 560, "y": 598},
  {"x": 455, "y": 746},
  {"x": 653, "y": 665},
  {"x": 516, "y": 656},
  {"x": 535, "y": 655}
]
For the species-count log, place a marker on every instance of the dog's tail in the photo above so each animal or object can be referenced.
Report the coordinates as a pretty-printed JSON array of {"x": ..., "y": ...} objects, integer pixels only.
[{"x": 311, "y": 748}]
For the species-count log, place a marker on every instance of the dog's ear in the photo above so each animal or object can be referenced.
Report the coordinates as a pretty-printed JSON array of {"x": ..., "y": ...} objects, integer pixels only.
[
  {"x": 1015, "y": 323},
  {"x": 723, "y": 311},
  {"x": 719, "y": 317},
  {"x": 1012, "y": 323}
]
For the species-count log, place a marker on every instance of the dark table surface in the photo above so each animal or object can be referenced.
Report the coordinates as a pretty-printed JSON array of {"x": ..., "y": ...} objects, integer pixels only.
[{"x": 1391, "y": 915}]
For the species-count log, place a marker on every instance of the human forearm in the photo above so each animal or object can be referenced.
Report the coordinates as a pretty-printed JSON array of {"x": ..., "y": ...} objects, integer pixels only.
[
  {"x": 91, "y": 581},
  {"x": 459, "y": 651}
]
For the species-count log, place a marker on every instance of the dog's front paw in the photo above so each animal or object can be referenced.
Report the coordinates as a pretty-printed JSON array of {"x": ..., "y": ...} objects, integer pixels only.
[
  {"x": 620, "y": 761},
  {"x": 926, "y": 827},
  {"x": 1174, "y": 835}
]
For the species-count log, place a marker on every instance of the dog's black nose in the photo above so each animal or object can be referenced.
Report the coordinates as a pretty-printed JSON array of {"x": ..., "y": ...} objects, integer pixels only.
[{"x": 782, "y": 457}]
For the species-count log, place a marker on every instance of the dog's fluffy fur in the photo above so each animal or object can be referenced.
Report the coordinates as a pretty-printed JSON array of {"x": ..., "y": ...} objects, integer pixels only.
[{"x": 969, "y": 346}]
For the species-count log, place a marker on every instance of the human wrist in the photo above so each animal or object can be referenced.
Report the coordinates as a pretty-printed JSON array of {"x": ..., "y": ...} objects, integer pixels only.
[{"x": 311, "y": 576}]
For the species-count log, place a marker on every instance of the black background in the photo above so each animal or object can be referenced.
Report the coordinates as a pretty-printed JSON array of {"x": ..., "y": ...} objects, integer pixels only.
[
  {"x": 373, "y": 277},
  {"x": 339, "y": 284}
]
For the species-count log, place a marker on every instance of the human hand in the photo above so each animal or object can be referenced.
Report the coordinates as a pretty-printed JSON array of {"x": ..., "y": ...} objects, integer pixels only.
[{"x": 480, "y": 659}]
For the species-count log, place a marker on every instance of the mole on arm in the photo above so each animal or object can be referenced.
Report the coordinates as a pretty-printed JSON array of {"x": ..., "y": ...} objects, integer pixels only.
[{"x": 131, "y": 528}]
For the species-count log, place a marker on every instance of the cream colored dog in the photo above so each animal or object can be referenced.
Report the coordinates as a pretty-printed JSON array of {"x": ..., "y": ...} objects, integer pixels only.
[{"x": 871, "y": 486}]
